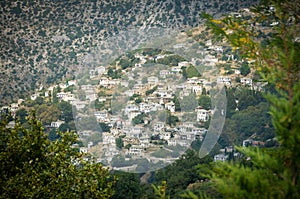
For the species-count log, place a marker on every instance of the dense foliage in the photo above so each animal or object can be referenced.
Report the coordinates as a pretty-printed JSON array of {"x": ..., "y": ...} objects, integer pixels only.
[
  {"x": 32, "y": 166},
  {"x": 272, "y": 173}
]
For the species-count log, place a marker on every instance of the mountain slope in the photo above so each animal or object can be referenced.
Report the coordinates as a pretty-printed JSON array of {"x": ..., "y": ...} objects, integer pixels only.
[{"x": 42, "y": 42}]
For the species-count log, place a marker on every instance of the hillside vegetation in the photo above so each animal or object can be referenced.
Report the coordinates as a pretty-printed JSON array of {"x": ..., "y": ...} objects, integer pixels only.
[{"x": 45, "y": 41}]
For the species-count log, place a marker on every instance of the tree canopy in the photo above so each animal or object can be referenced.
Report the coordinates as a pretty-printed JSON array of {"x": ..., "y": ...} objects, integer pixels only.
[
  {"x": 267, "y": 173},
  {"x": 32, "y": 166}
]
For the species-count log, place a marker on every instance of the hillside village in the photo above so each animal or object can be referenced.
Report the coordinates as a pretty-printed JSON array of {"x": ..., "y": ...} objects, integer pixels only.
[{"x": 147, "y": 103}]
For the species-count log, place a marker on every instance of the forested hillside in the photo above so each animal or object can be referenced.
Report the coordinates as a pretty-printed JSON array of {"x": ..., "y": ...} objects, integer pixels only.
[{"x": 43, "y": 42}]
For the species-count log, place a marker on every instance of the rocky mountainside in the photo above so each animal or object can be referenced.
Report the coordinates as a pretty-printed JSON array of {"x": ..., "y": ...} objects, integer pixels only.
[{"x": 45, "y": 41}]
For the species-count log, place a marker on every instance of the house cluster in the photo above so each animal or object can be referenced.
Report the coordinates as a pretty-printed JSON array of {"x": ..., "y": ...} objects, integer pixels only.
[
  {"x": 12, "y": 108},
  {"x": 251, "y": 142},
  {"x": 212, "y": 52},
  {"x": 144, "y": 139},
  {"x": 226, "y": 154}
]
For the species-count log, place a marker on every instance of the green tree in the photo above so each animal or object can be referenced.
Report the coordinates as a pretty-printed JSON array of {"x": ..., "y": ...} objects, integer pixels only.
[
  {"x": 47, "y": 114},
  {"x": 150, "y": 91},
  {"x": 125, "y": 63},
  {"x": 268, "y": 173},
  {"x": 113, "y": 73},
  {"x": 172, "y": 119},
  {"x": 119, "y": 142},
  {"x": 177, "y": 103},
  {"x": 139, "y": 119},
  {"x": 255, "y": 120},
  {"x": 231, "y": 103},
  {"x": 32, "y": 166},
  {"x": 64, "y": 127},
  {"x": 182, "y": 172},
  {"x": 39, "y": 100},
  {"x": 138, "y": 100},
  {"x": 21, "y": 114},
  {"x": 98, "y": 105},
  {"x": 245, "y": 69},
  {"x": 205, "y": 102},
  {"x": 127, "y": 186},
  {"x": 160, "y": 191},
  {"x": 104, "y": 127},
  {"x": 248, "y": 97},
  {"x": 66, "y": 110}
]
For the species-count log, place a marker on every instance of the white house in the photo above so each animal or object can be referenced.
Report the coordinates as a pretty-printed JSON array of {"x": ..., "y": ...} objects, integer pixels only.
[
  {"x": 101, "y": 116},
  {"x": 237, "y": 71},
  {"x": 87, "y": 87},
  {"x": 56, "y": 124},
  {"x": 161, "y": 92},
  {"x": 197, "y": 89},
  {"x": 164, "y": 73},
  {"x": 156, "y": 107},
  {"x": 192, "y": 80},
  {"x": 91, "y": 95},
  {"x": 210, "y": 59},
  {"x": 129, "y": 92},
  {"x": 83, "y": 150},
  {"x": 34, "y": 96},
  {"x": 134, "y": 150},
  {"x": 202, "y": 114},
  {"x": 90, "y": 144},
  {"x": 103, "y": 81},
  {"x": 71, "y": 83},
  {"x": 152, "y": 80},
  {"x": 159, "y": 126},
  {"x": 144, "y": 142},
  {"x": 137, "y": 130},
  {"x": 165, "y": 135},
  {"x": 79, "y": 104},
  {"x": 218, "y": 49},
  {"x": 220, "y": 157},
  {"x": 176, "y": 69},
  {"x": 183, "y": 64},
  {"x": 61, "y": 95},
  {"x": 224, "y": 80},
  {"x": 124, "y": 83},
  {"x": 172, "y": 142},
  {"x": 113, "y": 82},
  {"x": 144, "y": 107},
  {"x": 185, "y": 92},
  {"x": 131, "y": 108},
  {"x": 188, "y": 124},
  {"x": 170, "y": 106},
  {"x": 181, "y": 86},
  {"x": 97, "y": 71},
  {"x": 246, "y": 81},
  {"x": 67, "y": 97},
  {"x": 274, "y": 23},
  {"x": 181, "y": 45},
  {"x": 201, "y": 131},
  {"x": 108, "y": 138},
  {"x": 14, "y": 107},
  {"x": 138, "y": 86},
  {"x": 208, "y": 43},
  {"x": 133, "y": 114}
]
